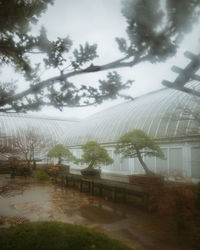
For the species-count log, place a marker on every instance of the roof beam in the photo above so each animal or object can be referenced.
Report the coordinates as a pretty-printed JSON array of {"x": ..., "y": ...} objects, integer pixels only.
[
  {"x": 189, "y": 72},
  {"x": 183, "y": 89}
]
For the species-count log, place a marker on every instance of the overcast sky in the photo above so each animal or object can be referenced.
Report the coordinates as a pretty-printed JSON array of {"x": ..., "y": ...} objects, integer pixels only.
[{"x": 100, "y": 21}]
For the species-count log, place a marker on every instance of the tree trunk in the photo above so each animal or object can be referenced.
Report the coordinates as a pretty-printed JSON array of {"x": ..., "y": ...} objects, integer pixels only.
[
  {"x": 34, "y": 164},
  {"x": 59, "y": 160},
  {"x": 146, "y": 169},
  {"x": 91, "y": 164},
  {"x": 27, "y": 160}
]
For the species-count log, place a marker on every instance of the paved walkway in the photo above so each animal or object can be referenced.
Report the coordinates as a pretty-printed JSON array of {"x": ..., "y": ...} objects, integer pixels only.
[{"x": 43, "y": 201}]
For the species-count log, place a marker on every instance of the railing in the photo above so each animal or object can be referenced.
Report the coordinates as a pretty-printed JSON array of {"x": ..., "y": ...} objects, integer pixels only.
[{"x": 108, "y": 189}]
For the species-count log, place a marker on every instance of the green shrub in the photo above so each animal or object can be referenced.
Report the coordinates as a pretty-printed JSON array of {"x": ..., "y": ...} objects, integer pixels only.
[
  {"x": 41, "y": 175},
  {"x": 55, "y": 236}
]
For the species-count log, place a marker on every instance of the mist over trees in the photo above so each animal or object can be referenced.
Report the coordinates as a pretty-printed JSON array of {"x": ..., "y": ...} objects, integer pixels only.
[{"x": 154, "y": 28}]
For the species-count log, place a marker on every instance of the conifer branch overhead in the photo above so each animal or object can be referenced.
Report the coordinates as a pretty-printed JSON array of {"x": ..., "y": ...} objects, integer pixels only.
[{"x": 150, "y": 38}]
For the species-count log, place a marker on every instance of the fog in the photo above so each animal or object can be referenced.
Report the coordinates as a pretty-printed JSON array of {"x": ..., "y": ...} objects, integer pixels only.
[{"x": 101, "y": 21}]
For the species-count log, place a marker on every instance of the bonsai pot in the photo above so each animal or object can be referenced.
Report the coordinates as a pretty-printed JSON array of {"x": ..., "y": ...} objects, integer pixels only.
[
  {"x": 63, "y": 169},
  {"x": 146, "y": 180},
  {"x": 91, "y": 172}
]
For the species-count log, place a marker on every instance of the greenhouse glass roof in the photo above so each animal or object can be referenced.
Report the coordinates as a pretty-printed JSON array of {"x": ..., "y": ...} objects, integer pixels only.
[
  {"x": 13, "y": 124},
  {"x": 161, "y": 114}
]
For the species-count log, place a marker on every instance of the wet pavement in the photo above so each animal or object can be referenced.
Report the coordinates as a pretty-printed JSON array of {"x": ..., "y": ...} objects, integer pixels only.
[{"x": 38, "y": 201}]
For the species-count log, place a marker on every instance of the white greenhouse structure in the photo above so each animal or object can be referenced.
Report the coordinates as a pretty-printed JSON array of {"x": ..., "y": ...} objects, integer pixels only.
[{"x": 167, "y": 115}]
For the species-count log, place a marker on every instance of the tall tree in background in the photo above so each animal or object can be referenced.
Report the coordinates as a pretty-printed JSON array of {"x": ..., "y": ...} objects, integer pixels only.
[
  {"x": 6, "y": 147},
  {"x": 29, "y": 144},
  {"x": 154, "y": 34},
  {"x": 15, "y": 39}
]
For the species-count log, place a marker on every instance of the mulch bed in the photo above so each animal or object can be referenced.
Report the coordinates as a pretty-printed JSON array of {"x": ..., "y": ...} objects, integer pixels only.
[{"x": 12, "y": 220}]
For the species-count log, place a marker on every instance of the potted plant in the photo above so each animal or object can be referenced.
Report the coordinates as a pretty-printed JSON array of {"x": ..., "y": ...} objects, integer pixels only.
[
  {"x": 94, "y": 154},
  {"x": 137, "y": 144},
  {"x": 61, "y": 152}
]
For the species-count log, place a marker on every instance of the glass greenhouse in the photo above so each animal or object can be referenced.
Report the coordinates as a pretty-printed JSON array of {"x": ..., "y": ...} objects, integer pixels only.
[
  {"x": 169, "y": 116},
  {"x": 12, "y": 124}
]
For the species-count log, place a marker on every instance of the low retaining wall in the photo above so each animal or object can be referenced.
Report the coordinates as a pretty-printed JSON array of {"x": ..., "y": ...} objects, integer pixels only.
[{"x": 110, "y": 190}]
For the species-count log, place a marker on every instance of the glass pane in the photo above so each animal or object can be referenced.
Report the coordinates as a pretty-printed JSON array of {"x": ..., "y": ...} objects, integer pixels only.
[
  {"x": 195, "y": 164},
  {"x": 116, "y": 158},
  {"x": 175, "y": 161},
  {"x": 150, "y": 162},
  {"x": 137, "y": 166},
  {"x": 125, "y": 164},
  {"x": 162, "y": 164}
]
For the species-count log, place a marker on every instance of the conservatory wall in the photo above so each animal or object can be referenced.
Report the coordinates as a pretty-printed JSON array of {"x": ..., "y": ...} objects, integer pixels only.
[
  {"x": 162, "y": 114},
  {"x": 181, "y": 162},
  {"x": 167, "y": 115}
]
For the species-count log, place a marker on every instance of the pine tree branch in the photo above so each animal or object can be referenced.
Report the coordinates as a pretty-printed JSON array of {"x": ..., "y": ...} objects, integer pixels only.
[{"x": 92, "y": 68}]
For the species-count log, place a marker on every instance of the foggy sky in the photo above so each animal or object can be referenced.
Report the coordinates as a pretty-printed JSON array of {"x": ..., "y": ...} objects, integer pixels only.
[{"x": 100, "y": 21}]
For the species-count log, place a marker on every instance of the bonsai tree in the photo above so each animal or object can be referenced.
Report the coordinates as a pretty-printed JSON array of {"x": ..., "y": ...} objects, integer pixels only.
[
  {"x": 60, "y": 151},
  {"x": 137, "y": 144},
  {"x": 95, "y": 154}
]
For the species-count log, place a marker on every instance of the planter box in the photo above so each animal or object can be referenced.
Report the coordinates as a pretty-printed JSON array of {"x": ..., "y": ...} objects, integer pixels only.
[
  {"x": 64, "y": 169},
  {"x": 94, "y": 173},
  {"x": 146, "y": 180}
]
